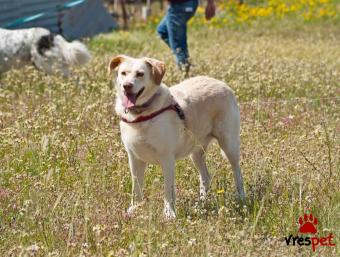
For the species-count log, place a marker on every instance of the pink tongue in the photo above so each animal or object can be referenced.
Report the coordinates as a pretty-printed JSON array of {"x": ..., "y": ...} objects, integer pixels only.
[{"x": 129, "y": 100}]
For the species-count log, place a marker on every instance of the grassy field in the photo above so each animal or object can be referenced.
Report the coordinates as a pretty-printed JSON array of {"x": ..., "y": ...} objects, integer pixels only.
[{"x": 64, "y": 179}]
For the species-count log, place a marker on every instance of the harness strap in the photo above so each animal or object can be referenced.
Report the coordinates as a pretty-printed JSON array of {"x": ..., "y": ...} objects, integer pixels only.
[{"x": 174, "y": 107}]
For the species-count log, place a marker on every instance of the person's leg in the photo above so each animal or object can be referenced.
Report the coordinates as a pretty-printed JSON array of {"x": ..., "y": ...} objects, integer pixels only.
[
  {"x": 177, "y": 18},
  {"x": 162, "y": 30},
  {"x": 177, "y": 36}
]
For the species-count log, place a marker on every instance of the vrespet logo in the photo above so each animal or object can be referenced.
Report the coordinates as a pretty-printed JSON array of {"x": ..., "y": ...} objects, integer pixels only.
[{"x": 308, "y": 225}]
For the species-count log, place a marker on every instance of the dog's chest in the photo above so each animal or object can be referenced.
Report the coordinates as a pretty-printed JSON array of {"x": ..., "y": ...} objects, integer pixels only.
[
  {"x": 153, "y": 142},
  {"x": 144, "y": 141}
]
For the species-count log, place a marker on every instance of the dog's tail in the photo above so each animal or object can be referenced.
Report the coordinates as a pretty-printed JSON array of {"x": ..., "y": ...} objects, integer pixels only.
[{"x": 74, "y": 53}]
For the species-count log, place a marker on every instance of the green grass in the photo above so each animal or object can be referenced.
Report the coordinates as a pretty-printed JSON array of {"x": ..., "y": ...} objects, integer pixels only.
[{"x": 64, "y": 179}]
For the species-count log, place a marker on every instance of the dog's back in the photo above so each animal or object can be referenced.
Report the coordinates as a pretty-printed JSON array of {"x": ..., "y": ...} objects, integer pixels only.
[
  {"x": 15, "y": 46},
  {"x": 208, "y": 100},
  {"x": 38, "y": 46}
]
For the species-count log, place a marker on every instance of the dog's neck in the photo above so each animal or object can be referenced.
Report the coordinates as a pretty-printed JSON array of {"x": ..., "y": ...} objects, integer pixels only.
[{"x": 157, "y": 101}]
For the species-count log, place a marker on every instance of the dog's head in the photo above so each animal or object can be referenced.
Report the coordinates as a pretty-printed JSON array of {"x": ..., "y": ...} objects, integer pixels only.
[{"x": 137, "y": 79}]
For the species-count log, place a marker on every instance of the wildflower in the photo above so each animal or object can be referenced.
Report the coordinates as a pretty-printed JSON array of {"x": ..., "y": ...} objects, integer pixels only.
[
  {"x": 192, "y": 241},
  {"x": 220, "y": 191}
]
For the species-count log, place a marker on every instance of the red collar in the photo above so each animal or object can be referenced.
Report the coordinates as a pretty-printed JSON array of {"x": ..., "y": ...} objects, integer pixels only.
[{"x": 174, "y": 107}]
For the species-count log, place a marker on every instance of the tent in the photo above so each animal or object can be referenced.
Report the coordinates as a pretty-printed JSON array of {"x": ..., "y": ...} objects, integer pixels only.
[{"x": 71, "y": 18}]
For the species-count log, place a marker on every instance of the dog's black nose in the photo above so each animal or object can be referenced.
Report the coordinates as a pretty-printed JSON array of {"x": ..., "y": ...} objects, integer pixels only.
[{"x": 127, "y": 86}]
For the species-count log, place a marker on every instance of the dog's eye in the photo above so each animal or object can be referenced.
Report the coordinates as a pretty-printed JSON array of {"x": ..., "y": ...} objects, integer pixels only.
[
  {"x": 123, "y": 73},
  {"x": 140, "y": 74}
]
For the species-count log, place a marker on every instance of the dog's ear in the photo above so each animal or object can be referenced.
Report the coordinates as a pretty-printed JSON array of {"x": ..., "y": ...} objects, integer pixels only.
[
  {"x": 115, "y": 62},
  {"x": 157, "y": 69}
]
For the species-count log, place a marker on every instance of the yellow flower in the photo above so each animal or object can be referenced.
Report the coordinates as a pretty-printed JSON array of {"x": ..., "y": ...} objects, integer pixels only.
[
  {"x": 307, "y": 16},
  {"x": 220, "y": 191},
  {"x": 230, "y": 12},
  {"x": 263, "y": 12},
  {"x": 294, "y": 8},
  {"x": 200, "y": 10},
  {"x": 323, "y": 12}
]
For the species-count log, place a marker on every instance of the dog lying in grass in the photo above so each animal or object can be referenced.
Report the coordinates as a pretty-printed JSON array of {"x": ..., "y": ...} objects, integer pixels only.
[
  {"x": 160, "y": 125},
  {"x": 41, "y": 48}
]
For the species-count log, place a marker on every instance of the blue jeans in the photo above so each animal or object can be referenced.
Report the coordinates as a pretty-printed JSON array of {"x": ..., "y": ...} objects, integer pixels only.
[{"x": 173, "y": 28}]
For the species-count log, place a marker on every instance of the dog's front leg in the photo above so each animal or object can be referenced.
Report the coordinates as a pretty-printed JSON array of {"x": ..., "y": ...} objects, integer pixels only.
[
  {"x": 137, "y": 168},
  {"x": 168, "y": 168}
]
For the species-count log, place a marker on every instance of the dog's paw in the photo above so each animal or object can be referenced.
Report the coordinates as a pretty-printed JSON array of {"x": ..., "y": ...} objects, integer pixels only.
[{"x": 169, "y": 212}]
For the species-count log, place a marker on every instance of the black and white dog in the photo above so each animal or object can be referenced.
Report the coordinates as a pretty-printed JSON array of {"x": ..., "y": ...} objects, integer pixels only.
[{"x": 38, "y": 46}]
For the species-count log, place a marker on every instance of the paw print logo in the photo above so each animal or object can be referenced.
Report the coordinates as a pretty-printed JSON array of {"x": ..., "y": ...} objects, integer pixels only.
[{"x": 308, "y": 224}]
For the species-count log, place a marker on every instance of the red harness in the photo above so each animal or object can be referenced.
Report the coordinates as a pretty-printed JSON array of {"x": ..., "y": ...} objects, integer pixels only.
[{"x": 174, "y": 107}]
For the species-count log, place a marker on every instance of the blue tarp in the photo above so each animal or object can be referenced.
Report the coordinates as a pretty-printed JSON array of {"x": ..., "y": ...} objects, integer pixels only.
[{"x": 72, "y": 18}]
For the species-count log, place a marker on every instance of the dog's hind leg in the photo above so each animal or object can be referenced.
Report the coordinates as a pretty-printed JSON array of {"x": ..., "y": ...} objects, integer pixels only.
[
  {"x": 228, "y": 137},
  {"x": 137, "y": 168},
  {"x": 198, "y": 158}
]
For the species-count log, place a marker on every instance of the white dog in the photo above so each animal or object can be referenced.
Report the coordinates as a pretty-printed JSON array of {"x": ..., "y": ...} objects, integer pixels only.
[
  {"x": 38, "y": 46},
  {"x": 160, "y": 125}
]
